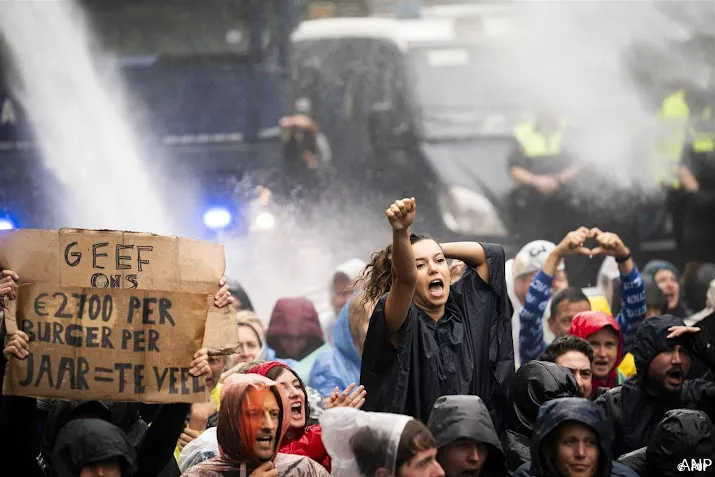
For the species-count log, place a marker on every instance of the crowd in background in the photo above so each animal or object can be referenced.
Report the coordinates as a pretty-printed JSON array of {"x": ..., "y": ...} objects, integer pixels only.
[{"x": 435, "y": 359}]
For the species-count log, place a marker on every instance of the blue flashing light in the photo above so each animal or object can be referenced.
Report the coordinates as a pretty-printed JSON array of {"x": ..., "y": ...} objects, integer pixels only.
[
  {"x": 6, "y": 224},
  {"x": 217, "y": 218}
]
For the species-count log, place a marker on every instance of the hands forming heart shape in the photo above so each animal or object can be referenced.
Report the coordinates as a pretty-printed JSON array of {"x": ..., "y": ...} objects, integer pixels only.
[{"x": 608, "y": 243}]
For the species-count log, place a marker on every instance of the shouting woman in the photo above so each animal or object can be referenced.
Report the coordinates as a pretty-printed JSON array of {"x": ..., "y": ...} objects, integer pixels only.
[{"x": 428, "y": 338}]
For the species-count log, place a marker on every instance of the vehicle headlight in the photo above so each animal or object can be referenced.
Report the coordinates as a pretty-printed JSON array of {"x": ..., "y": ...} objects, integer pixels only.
[{"x": 466, "y": 211}]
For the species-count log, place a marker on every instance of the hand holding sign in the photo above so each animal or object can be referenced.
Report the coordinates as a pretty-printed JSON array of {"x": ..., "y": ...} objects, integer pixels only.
[
  {"x": 199, "y": 367},
  {"x": 112, "y": 315},
  {"x": 8, "y": 287},
  {"x": 223, "y": 297},
  {"x": 17, "y": 347}
]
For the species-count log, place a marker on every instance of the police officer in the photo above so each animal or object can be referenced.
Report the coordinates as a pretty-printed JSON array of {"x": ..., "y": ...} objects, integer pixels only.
[
  {"x": 697, "y": 176},
  {"x": 543, "y": 172},
  {"x": 680, "y": 119}
]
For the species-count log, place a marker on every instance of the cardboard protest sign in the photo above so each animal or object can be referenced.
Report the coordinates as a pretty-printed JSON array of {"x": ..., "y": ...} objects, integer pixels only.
[{"x": 113, "y": 315}]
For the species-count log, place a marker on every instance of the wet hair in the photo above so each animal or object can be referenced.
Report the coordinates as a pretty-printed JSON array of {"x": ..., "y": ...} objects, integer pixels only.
[
  {"x": 415, "y": 438},
  {"x": 377, "y": 274},
  {"x": 370, "y": 447},
  {"x": 570, "y": 294},
  {"x": 277, "y": 371},
  {"x": 563, "y": 344},
  {"x": 370, "y": 450}
]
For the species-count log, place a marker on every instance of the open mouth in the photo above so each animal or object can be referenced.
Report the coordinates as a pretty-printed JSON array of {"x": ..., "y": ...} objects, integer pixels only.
[
  {"x": 296, "y": 410},
  {"x": 674, "y": 377},
  {"x": 601, "y": 364},
  {"x": 470, "y": 473},
  {"x": 436, "y": 287},
  {"x": 265, "y": 441}
]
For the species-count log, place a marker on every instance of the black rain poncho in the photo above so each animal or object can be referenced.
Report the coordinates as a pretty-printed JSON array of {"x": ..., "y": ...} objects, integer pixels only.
[
  {"x": 456, "y": 417},
  {"x": 634, "y": 410},
  {"x": 535, "y": 383},
  {"x": 683, "y": 434},
  {"x": 551, "y": 416},
  {"x": 469, "y": 351},
  {"x": 86, "y": 441}
]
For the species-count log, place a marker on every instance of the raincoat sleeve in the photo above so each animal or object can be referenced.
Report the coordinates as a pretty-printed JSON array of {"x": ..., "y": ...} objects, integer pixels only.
[
  {"x": 633, "y": 307},
  {"x": 379, "y": 360},
  {"x": 501, "y": 344},
  {"x": 310, "y": 445},
  {"x": 323, "y": 376},
  {"x": 517, "y": 157},
  {"x": 609, "y": 407},
  {"x": 156, "y": 448},
  {"x": 636, "y": 461},
  {"x": 524, "y": 470},
  {"x": 531, "y": 334},
  {"x": 501, "y": 349},
  {"x": 17, "y": 417},
  {"x": 701, "y": 392},
  {"x": 703, "y": 347},
  {"x": 202, "y": 448}
]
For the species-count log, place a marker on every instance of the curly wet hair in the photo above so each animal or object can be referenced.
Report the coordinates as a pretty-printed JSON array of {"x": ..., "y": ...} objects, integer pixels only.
[{"x": 376, "y": 277}]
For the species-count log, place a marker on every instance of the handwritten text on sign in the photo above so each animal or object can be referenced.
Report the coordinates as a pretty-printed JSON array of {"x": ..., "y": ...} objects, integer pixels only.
[
  {"x": 89, "y": 343},
  {"x": 121, "y": 260},
  {"x": 112, "y": 259}
]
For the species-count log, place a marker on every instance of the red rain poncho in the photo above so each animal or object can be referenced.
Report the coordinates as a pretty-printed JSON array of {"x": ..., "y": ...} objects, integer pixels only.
[{"x": 587, "y": 323}]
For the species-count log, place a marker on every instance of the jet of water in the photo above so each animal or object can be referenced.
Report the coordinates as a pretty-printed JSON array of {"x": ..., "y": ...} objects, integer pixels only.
[{"x": 78, "y": 113}]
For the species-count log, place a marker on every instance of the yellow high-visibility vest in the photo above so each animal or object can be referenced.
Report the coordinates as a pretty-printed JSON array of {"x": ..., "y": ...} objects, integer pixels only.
[
  {"x": 535, "y": 144},
  {"x": 677, "y": 126},
  {"x": 671, "y": 135},
  {"x": 701, "y": 131}
]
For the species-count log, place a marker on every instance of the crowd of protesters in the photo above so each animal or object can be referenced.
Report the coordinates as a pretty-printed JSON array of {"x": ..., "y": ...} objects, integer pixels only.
[{"x": 437, "y": 359}]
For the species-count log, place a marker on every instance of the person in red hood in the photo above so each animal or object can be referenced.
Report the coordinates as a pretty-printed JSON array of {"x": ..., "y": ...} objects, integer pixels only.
[
  {"x": 294, "y": 330},
  {"x": 604, "y": 335},
  {"x": 299, "y": 438},
  {"x": 253, "y": 420}
]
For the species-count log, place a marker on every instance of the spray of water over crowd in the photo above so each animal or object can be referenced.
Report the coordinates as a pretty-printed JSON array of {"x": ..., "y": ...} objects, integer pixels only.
[
  {"x": 90, "y": 142},
  {"x": 603, "y": 67},
  {"x": 78, "y": 116}
]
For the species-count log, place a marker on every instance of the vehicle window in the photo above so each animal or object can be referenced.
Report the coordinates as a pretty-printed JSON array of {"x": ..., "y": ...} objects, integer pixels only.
[{"x": 176, "y": 28}]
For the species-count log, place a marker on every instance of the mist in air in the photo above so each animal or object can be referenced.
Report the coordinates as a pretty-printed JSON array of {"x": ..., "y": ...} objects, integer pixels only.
[
  {"x": 601, "y": 66},
  {"x": 90, "y": 140},
  {"x": 604, "y": 67},
  {"x": 79, "y": 117}
]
